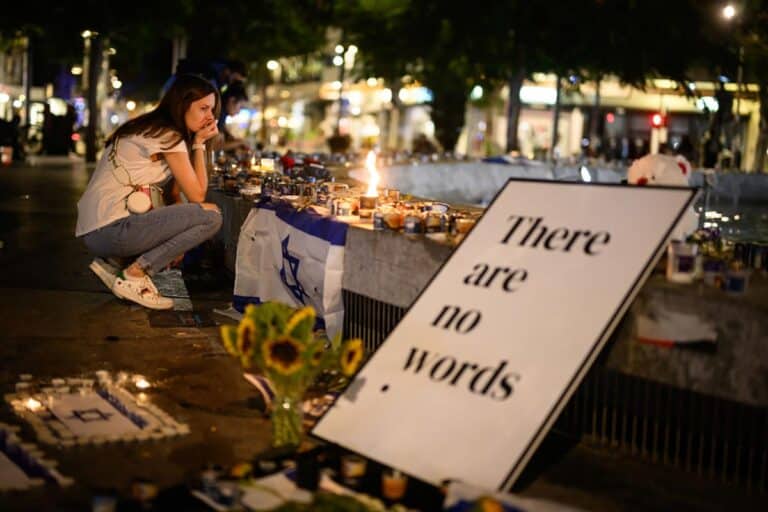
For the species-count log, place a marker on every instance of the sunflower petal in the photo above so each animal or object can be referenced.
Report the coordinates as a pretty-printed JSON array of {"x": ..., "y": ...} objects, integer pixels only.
[
  {"x": 229, "y": 339},
  {"x": 246, "y": 336},
  {"x": 301, "y": 324}
]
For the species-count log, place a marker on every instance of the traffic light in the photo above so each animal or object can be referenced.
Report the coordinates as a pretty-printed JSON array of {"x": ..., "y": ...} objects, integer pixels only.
[{"x": 658, "y": 120}]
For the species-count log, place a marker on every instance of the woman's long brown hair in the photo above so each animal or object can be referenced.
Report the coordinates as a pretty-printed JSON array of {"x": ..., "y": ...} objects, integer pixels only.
[{"x": 167, "y": 119}]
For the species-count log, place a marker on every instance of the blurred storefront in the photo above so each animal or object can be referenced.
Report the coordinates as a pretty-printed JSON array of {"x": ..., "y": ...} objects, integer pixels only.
[
  {"x": 310, "y": 97},
  {"x": 628, "y": 121}
]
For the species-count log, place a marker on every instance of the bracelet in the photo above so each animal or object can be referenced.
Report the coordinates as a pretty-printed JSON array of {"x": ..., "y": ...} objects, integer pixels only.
[{"x": 198, "y": 146}]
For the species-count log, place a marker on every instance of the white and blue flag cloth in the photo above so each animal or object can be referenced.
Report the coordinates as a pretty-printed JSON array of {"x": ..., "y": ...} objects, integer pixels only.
[{"x": 292, "y": 256}]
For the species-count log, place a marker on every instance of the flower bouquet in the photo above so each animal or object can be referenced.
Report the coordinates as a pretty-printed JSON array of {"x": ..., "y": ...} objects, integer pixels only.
[
  {"x": 710, "y": 241},
  {"x": 282, "y": 343}
]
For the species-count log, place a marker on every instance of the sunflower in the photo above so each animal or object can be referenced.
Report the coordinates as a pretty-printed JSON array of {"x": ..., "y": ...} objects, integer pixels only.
[
  {"x": 351, "y": 356},
  {"x": 317, "y": 356},
  {"x": 246, "y": 340},
  {"x": 282, "y": 354}
]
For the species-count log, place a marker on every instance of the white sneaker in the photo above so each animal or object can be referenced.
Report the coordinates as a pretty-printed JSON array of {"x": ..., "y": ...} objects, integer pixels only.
[
  {"x": 104, "y": 271},
  {"x": 141, "y": 291}
]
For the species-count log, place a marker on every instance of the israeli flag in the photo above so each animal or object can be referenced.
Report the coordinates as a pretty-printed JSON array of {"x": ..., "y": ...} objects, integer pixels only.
[{"x": 292, "y": 256}]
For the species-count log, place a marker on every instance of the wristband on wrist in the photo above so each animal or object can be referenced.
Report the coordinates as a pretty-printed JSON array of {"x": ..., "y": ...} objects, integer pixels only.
[{"x": 198, "y": 146}]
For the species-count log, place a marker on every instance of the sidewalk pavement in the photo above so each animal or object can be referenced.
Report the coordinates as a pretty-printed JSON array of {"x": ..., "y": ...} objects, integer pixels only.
[{"x": 58, "y": 320}]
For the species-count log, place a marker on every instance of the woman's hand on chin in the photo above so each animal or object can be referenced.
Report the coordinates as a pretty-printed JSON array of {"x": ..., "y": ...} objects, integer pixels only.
[{"x": 206, "y": 133}]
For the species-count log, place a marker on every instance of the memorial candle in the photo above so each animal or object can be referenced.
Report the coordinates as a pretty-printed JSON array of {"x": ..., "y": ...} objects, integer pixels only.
[
  {"x": 370, "y": 164},
  {"x": 33, "y": 404},
  {"x": 369, "y": 201},
  {"x": 393, "y": 484}
]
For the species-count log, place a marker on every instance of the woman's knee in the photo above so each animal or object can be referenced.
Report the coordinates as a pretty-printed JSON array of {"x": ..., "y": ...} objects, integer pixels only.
[
  {"x": 213, "y": 220},
  {"x": 211, "y": 207}
]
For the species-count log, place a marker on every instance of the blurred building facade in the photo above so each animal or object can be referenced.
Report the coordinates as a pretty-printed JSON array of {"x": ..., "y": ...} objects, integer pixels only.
[{"x": 310, "y": 96}]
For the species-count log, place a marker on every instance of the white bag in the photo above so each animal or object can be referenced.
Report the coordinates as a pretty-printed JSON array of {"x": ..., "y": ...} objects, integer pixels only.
[
  {"x": 294, "y": 257},
  {"x": 143, "y": 197},
  {"x": 138, "y": 202}
]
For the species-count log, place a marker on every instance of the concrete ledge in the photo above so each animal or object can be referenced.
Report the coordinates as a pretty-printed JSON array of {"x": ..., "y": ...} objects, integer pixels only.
[
  {"x": 389, "y": 266},
  {"x": 477, "y": 182},
  {"x": 393, "y": 268}
]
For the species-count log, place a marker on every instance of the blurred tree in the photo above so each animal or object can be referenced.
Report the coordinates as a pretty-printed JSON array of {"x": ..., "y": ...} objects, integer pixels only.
[
  {"x": 422, "y": 40},
  {"x": 256, "y": 32},
  {"x": 751, "y": 37},
  {"x": 452, "y": 47},
  {"x": 384, "y": 55},
  {"x": 55, "y": 36},
  {"x": 589, "y": 39},
  {"x": 251, "y": 31}
]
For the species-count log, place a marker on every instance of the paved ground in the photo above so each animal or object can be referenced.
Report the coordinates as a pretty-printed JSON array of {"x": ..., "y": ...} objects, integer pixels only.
[{"x": 57, "y": 320}]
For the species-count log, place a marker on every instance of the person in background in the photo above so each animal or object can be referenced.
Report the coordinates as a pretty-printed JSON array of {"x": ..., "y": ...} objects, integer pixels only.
[
  {"x": 229, "y": 72},
  {"x": 15, "y": 132},
  {"x": 233, "y": 97},
  {"x": 221, "y": 73},
  {"x": 168, "y": 142}
]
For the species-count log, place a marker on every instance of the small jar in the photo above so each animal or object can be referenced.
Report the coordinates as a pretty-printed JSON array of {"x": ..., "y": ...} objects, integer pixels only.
[
  {"x": 414, "y": 224},
  {"x": 434, "y": 222},
  {"x": 681, "y": 262},
  {"x": 712, "y": 272},
  {"x": 736, "y": 279},
  {"x": 378, "y": 220},
  {"x": 343, "y": 208},
  {"x": 393, "y": 484},
  {"x": 353, "y": 469}
]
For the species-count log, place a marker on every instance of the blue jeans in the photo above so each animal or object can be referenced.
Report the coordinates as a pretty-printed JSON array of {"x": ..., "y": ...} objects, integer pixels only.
[{"x": 158, "y": 236}]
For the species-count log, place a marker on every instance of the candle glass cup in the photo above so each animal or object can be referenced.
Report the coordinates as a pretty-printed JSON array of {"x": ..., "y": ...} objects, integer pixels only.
[
  {"x": 353, "y": 469},
  {"x": 367, "y": 206},
  {"x": 393, "y": 484}
]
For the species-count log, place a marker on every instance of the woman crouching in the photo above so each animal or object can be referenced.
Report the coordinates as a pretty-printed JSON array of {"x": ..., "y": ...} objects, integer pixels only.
[{"x": 115, "y": 215}]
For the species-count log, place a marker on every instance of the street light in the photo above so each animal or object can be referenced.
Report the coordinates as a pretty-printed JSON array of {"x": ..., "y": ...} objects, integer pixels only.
[
  {"x": 274, "y": 76},
  {"x": 729, "y": 13},
  {"x": 338, "y": 61}
]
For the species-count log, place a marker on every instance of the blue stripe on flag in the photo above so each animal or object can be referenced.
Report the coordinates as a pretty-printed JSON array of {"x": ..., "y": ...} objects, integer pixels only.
[
  {"x": 308, "y": 221},
  {"x": 239, "y": 302}
]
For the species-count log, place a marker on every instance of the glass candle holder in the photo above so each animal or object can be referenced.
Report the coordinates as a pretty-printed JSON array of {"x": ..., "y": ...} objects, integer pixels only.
[
  {"x": 367, "y": 205},
  {"x": 393, "y": 194},
  {"x": 352, "y": 469},
  {"x": 681, "y": 261},
  {"x": 393, "y": 484}
]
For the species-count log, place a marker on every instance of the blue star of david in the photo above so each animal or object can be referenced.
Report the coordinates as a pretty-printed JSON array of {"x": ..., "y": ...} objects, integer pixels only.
[
  {"x": 88, "y": 415},
  {"x": 293, "y": 266}
]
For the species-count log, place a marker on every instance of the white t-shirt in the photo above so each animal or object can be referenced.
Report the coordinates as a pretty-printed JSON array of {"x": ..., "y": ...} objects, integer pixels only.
[{"x": 104, "y": 200}]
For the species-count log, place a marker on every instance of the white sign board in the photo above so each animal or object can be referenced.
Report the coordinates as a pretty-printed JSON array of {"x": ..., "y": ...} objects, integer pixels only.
[{"x": 472, "y": 378}]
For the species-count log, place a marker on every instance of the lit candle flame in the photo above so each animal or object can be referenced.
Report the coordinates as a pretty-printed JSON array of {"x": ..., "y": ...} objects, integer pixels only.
[
  {"x": 32, "y": 404},
  {"x": 370, "y": 164},
  {"x": 141, "y": 383}
]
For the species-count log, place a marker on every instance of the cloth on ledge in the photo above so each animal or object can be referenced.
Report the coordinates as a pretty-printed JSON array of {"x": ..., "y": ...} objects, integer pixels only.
[
  {"x": 671, "y": 328},
  {"x": 292, "y": 256}
]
